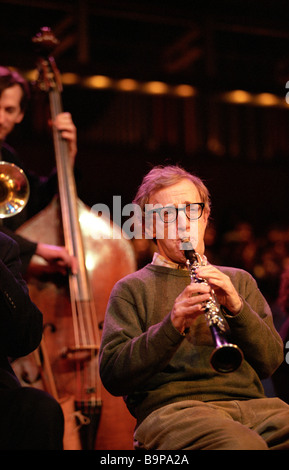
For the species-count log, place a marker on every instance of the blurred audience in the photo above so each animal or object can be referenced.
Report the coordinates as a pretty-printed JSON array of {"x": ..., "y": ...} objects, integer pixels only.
[{"x": 265, "y": 257}]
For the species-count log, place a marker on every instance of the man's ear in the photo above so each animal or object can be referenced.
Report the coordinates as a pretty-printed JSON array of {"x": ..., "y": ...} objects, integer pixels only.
[
  {"x": 206, "y": 216},
  {"x": 19, "y": 118}
]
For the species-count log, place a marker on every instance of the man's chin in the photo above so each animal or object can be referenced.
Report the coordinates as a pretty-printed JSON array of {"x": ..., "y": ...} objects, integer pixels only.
[{"x": 180, "y": 257}]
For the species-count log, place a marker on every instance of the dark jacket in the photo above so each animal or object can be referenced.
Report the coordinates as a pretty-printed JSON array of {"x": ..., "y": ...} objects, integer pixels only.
[
  {"x": 20, "y": 320},
  {"x": 42, "y": 190}
]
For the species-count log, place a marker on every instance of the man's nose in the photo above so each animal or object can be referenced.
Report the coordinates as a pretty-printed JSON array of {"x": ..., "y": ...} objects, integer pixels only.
[
  {"x": 183, "y": 223},
  {"x": 2, "y": 115}
]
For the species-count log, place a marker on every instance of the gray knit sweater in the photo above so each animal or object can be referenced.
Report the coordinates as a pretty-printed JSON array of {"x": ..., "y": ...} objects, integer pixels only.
[{"x": 146, "y": 360}]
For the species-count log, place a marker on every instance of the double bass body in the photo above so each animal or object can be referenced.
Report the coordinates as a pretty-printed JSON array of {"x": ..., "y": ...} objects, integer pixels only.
[{"x": 50, "y": 292}]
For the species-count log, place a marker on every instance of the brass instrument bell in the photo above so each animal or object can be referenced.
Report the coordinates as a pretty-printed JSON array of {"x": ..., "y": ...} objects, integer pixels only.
[{"x": 14, "y": 190}]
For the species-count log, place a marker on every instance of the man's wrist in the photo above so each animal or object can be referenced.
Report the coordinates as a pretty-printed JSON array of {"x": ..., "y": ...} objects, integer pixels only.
[{"x": 232, "y": 312}]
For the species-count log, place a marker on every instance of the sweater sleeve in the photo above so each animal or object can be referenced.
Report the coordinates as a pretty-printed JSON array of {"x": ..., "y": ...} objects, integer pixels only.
[
  {"x": 253, "y": 328},
  {"x": 129, "y": 356}
]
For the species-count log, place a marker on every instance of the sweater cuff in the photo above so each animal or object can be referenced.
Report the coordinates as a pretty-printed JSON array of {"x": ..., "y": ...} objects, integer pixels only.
[
  {"x": 229, "y": 314},
  {"x": 170, "y": 331},
  {"x": 240, "y": 317}
]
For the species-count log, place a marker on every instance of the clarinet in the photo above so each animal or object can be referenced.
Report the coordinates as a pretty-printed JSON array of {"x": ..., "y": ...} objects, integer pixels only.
[{"x": 226, "y": 357}]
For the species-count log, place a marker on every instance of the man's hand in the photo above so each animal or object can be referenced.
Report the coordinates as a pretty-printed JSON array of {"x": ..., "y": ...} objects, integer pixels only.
[
  {"x": 226, "y": 293},
  {"x": 57, "y": 256},
  {"x": 63, "y": 122},
  {"x": 188, "y": 305}
]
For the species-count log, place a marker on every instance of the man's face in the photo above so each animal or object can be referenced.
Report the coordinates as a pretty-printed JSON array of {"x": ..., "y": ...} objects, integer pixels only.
[
  {"x": 10, "y": 111},
  {"x": 179, "y": 194}
]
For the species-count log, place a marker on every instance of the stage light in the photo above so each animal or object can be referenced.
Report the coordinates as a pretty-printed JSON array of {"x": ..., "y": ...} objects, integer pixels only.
[
  {"x": 98, "y": 81},
  {"x": 127, "y": 84},
  {"x": 156, "y": 87},
  {"x": 185, "y": 90},
  {"x": 70, "y": 79},
  {"x": 238, "y": 96},
  {"x": 266, "y": 99}
]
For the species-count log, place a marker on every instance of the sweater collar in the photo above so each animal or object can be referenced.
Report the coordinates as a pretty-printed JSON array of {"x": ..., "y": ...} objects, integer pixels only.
[{"x": 160, "y": 260}]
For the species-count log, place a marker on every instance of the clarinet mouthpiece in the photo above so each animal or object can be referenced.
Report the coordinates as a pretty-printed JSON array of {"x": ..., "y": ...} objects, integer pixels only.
[{"x": 187, "y": 246}]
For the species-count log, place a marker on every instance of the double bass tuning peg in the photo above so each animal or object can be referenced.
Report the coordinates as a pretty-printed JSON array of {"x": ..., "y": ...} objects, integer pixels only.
[{"x": 45, "y": 40}]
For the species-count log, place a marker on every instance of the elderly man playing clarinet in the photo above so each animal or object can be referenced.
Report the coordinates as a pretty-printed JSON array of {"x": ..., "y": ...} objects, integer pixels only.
[{"x": 157, "y": 346}]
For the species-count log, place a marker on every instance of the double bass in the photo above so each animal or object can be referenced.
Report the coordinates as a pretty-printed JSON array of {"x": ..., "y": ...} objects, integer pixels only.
[{"x": 73, "y": 307}]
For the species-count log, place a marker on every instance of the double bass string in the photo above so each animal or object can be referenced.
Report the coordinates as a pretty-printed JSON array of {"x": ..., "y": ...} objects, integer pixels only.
[{"x": 84, "y": 322}]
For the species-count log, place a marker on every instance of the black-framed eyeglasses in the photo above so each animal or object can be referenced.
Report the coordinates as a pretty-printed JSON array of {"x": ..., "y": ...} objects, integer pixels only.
[{"x": 169, "y": 214}]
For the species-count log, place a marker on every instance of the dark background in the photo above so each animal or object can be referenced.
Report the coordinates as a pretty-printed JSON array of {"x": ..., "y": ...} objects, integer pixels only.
[{"x": 241, "y": 150}]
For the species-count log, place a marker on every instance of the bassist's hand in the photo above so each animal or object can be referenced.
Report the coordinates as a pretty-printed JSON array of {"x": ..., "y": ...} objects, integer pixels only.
[
  {"x": 57, "y": 256},
  {"x": 63, "y": 122}
]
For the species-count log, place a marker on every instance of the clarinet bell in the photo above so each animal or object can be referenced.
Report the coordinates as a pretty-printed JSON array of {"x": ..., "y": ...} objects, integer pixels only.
[{"x": 226, "y": 358}]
